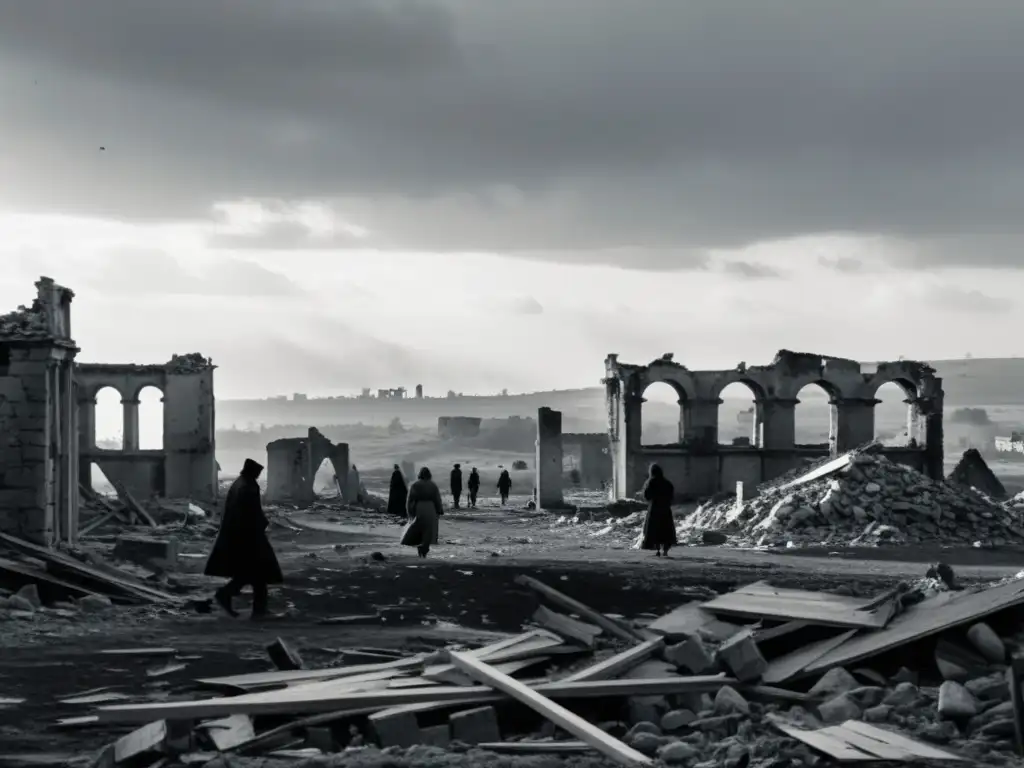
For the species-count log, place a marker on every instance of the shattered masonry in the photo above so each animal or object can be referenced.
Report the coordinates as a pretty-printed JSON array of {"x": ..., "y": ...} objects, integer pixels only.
[
  {"x": 292, "y": 463},
  {"x": 48, "y": 423}
]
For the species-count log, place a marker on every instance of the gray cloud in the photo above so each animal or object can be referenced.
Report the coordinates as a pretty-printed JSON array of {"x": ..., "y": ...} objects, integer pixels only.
[
  {"x": 457, "y": 125},
  {"x": 150, "y": 271},
  {"x": 282, "y": 236},
  {"x": 969, "y": 300},
  {"x": 846, "y": 264},
  {"x": 750, "y": 270}
]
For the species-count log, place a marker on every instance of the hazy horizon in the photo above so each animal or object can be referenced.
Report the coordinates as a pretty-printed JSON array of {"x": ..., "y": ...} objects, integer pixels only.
[{"x": 447, "y": 193}]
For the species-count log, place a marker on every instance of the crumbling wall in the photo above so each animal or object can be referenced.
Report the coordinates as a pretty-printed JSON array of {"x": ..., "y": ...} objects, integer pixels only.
[
  {"x": 450, "y": 427},
  {"x": 38, "y": 450},
  {"x": 292, "y": 463},
  {"x": 594, "y": 460},
  {"x": 699, "y": 466},
  {"x": 186, "y": 466}
]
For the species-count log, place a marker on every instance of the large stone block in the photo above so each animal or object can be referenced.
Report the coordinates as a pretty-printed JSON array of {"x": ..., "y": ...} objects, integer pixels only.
[
  {"x": 396, "y": 729},
  {"x": 146, "y": 550},
  {"x": 475, "y": 726}
]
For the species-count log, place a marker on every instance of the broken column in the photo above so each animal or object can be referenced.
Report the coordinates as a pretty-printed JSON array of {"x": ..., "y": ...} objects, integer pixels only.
[
  {"x": 285, "y": 459},
  {"x": 549, "y": 458},
  {"x": 189, "y": 430},
  {"x": 855, "y": 422}
]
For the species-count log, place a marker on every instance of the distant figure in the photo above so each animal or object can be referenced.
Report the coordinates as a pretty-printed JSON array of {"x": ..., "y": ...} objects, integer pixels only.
[
  {"x": 398, "y": 494},
  {"x": 473, "y": 486},
  {"x": 456, "y": 485},
  {"x": 504, "y": 485},
  {"x": 242, "y": 551},
  {"x": 659, "y": 525},
  {"x": 425, "y": 508}
]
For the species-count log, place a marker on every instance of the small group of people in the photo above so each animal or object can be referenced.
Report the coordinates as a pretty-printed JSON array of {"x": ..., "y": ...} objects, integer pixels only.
[{"x": 397, "y": 493}]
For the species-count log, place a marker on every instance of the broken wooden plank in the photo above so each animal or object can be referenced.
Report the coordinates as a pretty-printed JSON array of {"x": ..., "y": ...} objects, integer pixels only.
[
  {"x": 854, "y": 741},
  {"x": 583, "y": 611},
  {"x": 450, "y": 675},
  {"x": 259, "y": 680},
  {"x": 229, "y": 732},
  {"x": 617, "y": 664},
  {"x": 27, "y": 574},
  {"x": 691, "y": 619},
  {"x": 567, "y": 627},
  {"x": 132, "y": 505},
  {"x": 785, "y": 667},
  {"x": 147, "y": 739},
  {"x": 763, "y": 601},
  {"x": 917, "y": 749},
  {"x": 299, "y": 700},
  {"x": 139, "y": 652},
  {"x": 95, "y": 523},
  {"x": 931, "y": 616},
  {"x": 536, "y": 747},
  {"x": 166, "y": 669},
  {"x": 283, "y": 657},
  {"x": 589, "y": 733},
  {"x": 95, "y": 698},
  {"x": 762, "y": 635}
]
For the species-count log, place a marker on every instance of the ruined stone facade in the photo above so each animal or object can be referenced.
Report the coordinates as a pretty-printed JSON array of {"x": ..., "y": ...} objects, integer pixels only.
[
  {"x": 38, "y": 438},
  {"x": 699, "y": 466},
  {"x": 592, "y": 457},
  {"x": 292, "y": 463},
  {"x": 186, "y": 466}
]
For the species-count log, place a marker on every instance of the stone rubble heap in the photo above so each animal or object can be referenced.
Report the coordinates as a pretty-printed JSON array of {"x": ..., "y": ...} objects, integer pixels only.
[
  {"x": 871, "y": 501},
  {"x": 23, "y": 323},
  {"x": 193, "y": 362}
]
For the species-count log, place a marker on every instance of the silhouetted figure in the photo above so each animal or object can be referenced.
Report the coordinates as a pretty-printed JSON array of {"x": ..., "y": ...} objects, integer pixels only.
[
  {"x": 425, "y": 508},
  {"x": 456, "y": 485},
  {"x": 398, "y": 494},
  {"x": 473, "y": 486},
  {"x": 242, "y": 551},
  {"x": 659, "y": 525},
  {"x": 504, "y": 485}
]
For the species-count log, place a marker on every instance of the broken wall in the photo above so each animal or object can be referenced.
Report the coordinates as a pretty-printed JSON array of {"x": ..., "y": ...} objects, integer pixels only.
[
  {"x": 292, "y": 464},
  {"x": 186, "y": 466},
  {"x": 38, "y": 449},
  {"x": 450, "y": 427},
  {"x": 698, "y": 466},
  {"x": 593, "y": 457}
]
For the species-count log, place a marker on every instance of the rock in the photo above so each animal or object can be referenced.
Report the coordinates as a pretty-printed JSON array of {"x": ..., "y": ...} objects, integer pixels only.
[
  {"x": 833, "y": 683},
  {"x": 19, "y": 603},
  {"x": 677, "y": 752},
  {"x": 95, "y": 603},
  {"x": 741, "y": 656},
  {"x": 646, "y": 709},
  {"x": 867, "y": 696},
  {"x": 713, "y": 538},
  {"x": 30, "y": 594},
  {"x": 642, "y": 727},
  {"x": 676, "y": 720},
  {"x": 989, "y": 688},
  {"x": 646, "y": 743},
  {"x": 904, "y": 675},
  {"x": 839, "y": 710},
  {"x": 987, "y": 643},
  {"x": 903, "y": 695},
  {"x": 879, "y": 714},
  {"x": 956, "y": 702},
  {"x": 728, "y": 701},
  {"x": 690, "y": 655}
]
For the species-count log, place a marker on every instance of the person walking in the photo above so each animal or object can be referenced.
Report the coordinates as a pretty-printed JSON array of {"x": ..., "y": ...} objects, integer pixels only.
[
  {"x": 242, "y": 551},
  {"x": 504, "y": 486},
  {"x": 398, "y": 494},
  {"x": 456, "y": 479},
  {"x": 425, "y": 507},
  {"x": 473, "y": 486},
  {"x": 659, "y": 531}
]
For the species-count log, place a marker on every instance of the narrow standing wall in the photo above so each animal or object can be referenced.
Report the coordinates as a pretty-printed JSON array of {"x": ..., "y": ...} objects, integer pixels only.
[
  {"x": 189, "y": 432},
  {"x": 549, "y": 458}
]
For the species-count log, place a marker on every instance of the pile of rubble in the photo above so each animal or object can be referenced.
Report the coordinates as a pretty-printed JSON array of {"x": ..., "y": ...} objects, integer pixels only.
[
  {"x": 24, "y": 323},
  {"x": 193, "y": 362},
  {"x": 697, "y": 687},
  {"x": 860, "y": 499}
]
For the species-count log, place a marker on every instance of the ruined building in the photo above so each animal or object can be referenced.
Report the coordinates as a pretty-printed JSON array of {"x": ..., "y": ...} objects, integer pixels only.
[
  {"x": 451, "y": 427},
  {"x": 48, "y": 429},
  {"x": 292, "y": 463},
  {"x": 698, "y": 466}
]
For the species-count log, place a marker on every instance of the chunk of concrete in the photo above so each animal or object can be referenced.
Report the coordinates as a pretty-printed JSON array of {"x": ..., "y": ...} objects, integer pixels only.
[
  {"x": 839, "y": 710},
  {"x": 396, "y": 729},
  {"x": 987, "y": 643},
  {"x": 475, "y": 726},
  {"x": 956, "y": 702},
  {"x": 437, "y": 736},
  {"x": 741, "y": 656},
  {"x": 728, "y": 701},
  {"x": 833, "y": 683},
  {"x": 676, "y": 720},
  {"x": 690, "y": 655},
  {"x": 146, "y": 550},
  {"x": 30, "y": 594}
]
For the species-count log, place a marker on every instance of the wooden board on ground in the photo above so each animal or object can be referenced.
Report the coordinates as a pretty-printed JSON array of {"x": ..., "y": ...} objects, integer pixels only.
[
  {"x": 229, "y": 732},
  {"x": 785, "y": 667},
  {"x": 64, "y": 566},
  {"x": 589, "y": 733},
  {"x": 132, "y": 505},
  {"x": 617, "y": 664},
  {"x": 450, "y": 675},
  {"x": 760, "y": 600},
  {"x": 854, "y": 741},
  {"x": 300, "y": 701},
  {"x": 929, "y": 617},
  {"x": 27, "y": 574},
  {"x": 613, "y": 628},
  {"x": 260, "y": 680},
  {"x": 571, "y": 629},
  {"x": 691, "y": 619},
  {"x": 536, "y": 747}
]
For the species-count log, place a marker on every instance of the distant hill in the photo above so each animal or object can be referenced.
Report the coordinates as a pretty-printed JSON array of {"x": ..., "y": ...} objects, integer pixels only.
[{"x": 977, "y": 382}]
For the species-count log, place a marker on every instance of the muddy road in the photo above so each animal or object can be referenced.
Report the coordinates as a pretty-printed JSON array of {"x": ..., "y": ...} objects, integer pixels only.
[{"x": 349, "y": 569}]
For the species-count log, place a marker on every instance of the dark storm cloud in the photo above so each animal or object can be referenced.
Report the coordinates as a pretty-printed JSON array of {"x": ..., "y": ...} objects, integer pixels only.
[{"x": 459, "y": 125}]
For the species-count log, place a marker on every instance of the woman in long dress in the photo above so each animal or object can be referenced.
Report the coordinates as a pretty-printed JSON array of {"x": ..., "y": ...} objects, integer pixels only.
[
  {"x": 398, "y": 494},
  {"x": 425, "y": 508},
  {"x": 659, "y": 525}
]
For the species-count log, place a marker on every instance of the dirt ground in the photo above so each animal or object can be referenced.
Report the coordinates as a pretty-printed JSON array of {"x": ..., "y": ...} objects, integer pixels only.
[{"x": 461, "y": 594}]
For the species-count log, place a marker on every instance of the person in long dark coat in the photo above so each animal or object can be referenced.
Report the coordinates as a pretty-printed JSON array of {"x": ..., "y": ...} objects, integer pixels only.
[
  {"x": 473, "y": 486},
  {"x": 659, "y": 525},
  {"x": 398, "y": 494},
  {"x": 504, "y": 485},
  {"x": 425, "y": 507},
  {"x": 456, "y": 479},
  {"x": 242, "y": 551}
]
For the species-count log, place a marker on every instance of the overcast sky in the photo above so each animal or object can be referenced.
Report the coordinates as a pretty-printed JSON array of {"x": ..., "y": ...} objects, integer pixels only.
[{"x": 470, "y": 195}]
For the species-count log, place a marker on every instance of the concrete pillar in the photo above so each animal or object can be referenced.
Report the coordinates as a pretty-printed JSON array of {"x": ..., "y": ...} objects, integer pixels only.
[
  {"x": 700, "y": 423},
  {"x": 86, "y": 437},
  {"x": 131, "y": 424},
  {"x": 854, "y": 423},
  {"x": 549, "y": 458},
  {"x": 778, "y": 423},
  {"x": 930, "y": 404},
  {"x": 73, "y": 448},
  {"x": 190, "y": 435}
]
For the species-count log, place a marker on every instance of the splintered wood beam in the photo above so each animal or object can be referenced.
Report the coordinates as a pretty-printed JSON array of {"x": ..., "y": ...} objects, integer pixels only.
[
  {"x": 583, "y": 611},
  {"x": 589, "y": 733},
  {"x": 617, "y": 664}
]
